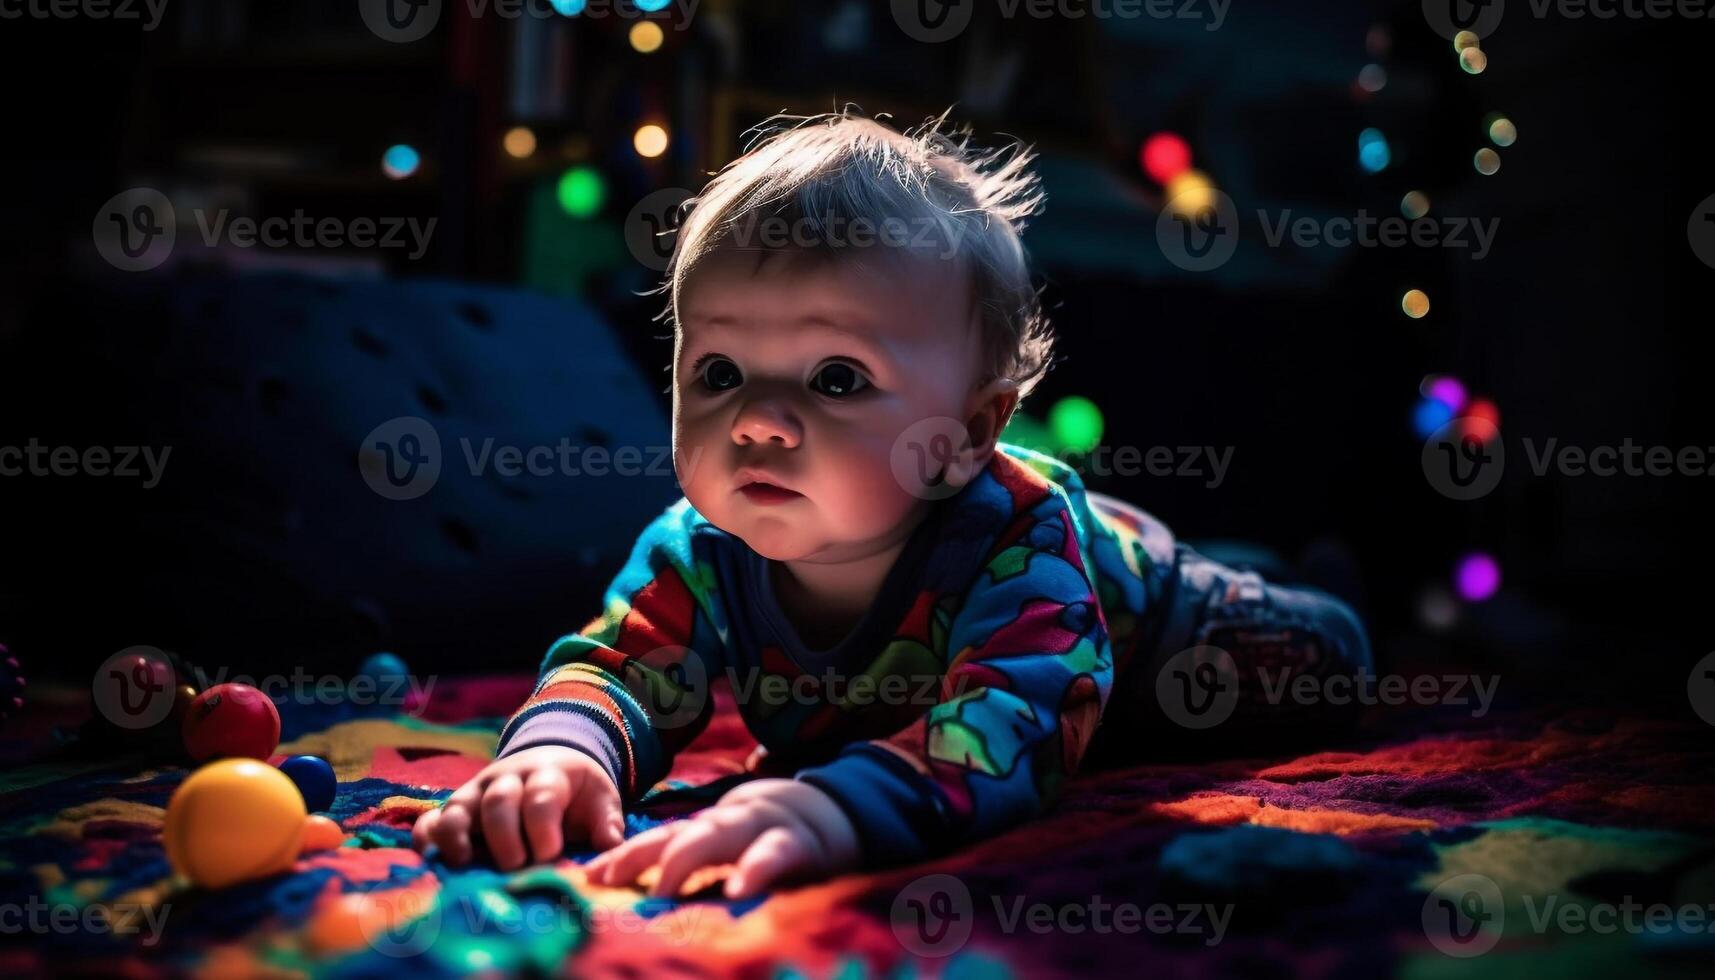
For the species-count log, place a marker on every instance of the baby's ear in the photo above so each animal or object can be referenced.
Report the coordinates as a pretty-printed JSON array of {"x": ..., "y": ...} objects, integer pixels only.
[{"x": 986, "y": 414}]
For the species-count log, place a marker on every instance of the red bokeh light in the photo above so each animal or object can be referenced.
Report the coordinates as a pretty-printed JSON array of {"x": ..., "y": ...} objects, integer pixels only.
[{"x": 1165, "y": 156}]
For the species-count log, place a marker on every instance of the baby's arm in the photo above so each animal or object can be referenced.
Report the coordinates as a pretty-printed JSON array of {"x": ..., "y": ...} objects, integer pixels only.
[
  {"x": 614, "y": 701},
  {"x": 1021, "y": 698}
]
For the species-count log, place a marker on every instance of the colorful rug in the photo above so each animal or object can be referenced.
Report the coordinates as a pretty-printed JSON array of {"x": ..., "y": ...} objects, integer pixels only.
[{"x": 1540, "y": 843}]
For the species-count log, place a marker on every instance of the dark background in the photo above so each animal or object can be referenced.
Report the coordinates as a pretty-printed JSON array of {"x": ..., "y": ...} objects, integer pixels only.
[{"x": 262, "y": 548}]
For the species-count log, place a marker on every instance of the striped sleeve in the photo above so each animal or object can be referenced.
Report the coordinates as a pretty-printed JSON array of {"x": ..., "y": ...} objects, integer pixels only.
[{"x": 631, "y": 688}]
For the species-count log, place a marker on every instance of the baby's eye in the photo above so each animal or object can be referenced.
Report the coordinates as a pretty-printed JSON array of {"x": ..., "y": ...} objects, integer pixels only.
[
  {"x": 720, "y": 374},
  {"x": 839, "y": 380}
]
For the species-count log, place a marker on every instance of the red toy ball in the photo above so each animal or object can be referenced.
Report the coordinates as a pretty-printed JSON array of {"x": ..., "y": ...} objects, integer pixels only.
[{"x": 231, "y": 720}]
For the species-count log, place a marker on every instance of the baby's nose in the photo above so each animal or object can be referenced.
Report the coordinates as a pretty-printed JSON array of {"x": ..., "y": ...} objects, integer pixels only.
[{"x": 767, "y": 421}]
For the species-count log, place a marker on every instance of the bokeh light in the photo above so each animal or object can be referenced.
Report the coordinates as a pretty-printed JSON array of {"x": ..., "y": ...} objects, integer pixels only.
[
  {"x": 1377, "y": 41},
  {"x": 1373, "y": 152},
  {"x": 1415, "y": 303},
  {"x": 650, "y": 140},
  {"x": 1447, "y": 390},
  {"x": 1473, "y": 60},
  {"x": 1414, "y": 205},
  {"x": 1466, "y": 39},
  {"x": 519, "y": 142},
  {"x": 1165, "y": 156},
  {"x": 1372, "y": 78},
  {"x": 1482, "y": 420},
  {"x": 1437, "y": 610},
  {"x": 581, "y": 192},
  {"x": 1190, "y": 192},
  {"x": 651, "y": 6},
  {"x": 1502, "y": 132},
  {"x": 571, "y": 8},
  {"x": 1076, "y": 423},
  {"x": 1429, "y": 416},
  {"x": 1477, "y": 577},
  {"x": 646, "y": 37},
  {"x": 1486, "y": 161},
  {"x": 400, "y": 161}
]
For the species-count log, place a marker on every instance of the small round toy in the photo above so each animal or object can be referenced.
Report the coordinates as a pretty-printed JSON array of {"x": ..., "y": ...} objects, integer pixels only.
[
  {"x": 233, "y": 820},
  {"x": 314, "y": 779},
  {"x": 231, "y": 720},
  {"x": 321, "y": 834},
  {"x": 383, "y": 666}
]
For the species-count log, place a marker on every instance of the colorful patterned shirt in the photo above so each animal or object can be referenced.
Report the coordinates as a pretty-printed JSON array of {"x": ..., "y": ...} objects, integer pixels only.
[{"x": 953, "y": 710}]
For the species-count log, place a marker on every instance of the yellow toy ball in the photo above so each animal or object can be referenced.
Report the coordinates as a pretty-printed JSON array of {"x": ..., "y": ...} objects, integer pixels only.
[{"x": 232, "y": 821}]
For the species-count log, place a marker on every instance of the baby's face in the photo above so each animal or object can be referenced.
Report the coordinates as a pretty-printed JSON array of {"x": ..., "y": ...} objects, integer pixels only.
[{"x": 792, "y": 384}]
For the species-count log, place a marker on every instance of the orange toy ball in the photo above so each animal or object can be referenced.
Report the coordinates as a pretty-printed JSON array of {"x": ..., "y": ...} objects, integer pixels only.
[
  {"x": 321, "y": 834},
  {"x": 231, "y": 720},
  {"x": 232, "y": 821}
]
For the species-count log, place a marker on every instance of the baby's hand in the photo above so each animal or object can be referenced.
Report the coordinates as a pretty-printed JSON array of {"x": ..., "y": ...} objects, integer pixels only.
[
  {"x": 543, "y": 794},
  {"x": 775, "y": 829}
]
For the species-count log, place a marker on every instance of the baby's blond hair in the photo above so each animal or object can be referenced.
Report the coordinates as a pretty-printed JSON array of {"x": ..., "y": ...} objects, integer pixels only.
[{"x": 839, "y": 171}]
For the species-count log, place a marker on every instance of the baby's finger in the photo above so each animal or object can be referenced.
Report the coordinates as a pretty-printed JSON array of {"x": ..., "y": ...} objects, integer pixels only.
[
  {"x": 777, "y": 854},
  {"x": 594, "y": 808},
  {"x": 704, "y": 843},
  {"x": 500, "y": 821},
  {"x": 623, "y": 864},
  {"x": 422, "y": 832},
  {"x": 546, "y": 794},
  {"x": 452, "y": 834}
]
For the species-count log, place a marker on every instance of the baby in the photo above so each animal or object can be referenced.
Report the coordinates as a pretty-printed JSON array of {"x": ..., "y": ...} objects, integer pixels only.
[{"x": 922, "y": 625}]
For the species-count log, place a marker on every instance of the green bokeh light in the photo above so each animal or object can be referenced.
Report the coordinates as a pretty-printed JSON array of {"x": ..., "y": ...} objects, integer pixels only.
[
  {"x": 581, "y": 192},
  {"x": 1076, "y": 423}
]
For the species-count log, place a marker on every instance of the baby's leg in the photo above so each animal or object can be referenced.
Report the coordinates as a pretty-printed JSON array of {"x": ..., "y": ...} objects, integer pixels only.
[{"x": 1223, "y": 659}]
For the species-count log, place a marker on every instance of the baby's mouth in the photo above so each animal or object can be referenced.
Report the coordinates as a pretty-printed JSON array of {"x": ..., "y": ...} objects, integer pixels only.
[{"x": 758, "y": 492}]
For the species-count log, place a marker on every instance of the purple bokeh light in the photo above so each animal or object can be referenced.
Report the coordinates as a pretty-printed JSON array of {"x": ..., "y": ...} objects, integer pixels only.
[
  {"x": 1449, "y": 391},
  {"x": 1478, "y": 577}
]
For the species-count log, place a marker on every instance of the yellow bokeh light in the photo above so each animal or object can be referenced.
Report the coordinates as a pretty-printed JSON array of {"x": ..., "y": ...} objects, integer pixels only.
[
  {"x": 646, "y": 37},
  {"x": 1189, "y": 192},
  {"x": 1473, "y": 60},
  {"x": 1415, "y": 303},
  {"x": 1466, "y": 39},
  {"x": 519, "y": 142},
  {"x": 1486, "y": 161},
  {"x": 1414, "y": 205},
  {"x": 650, "y": 140},
  {"x": 1502, "y": 131}
]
